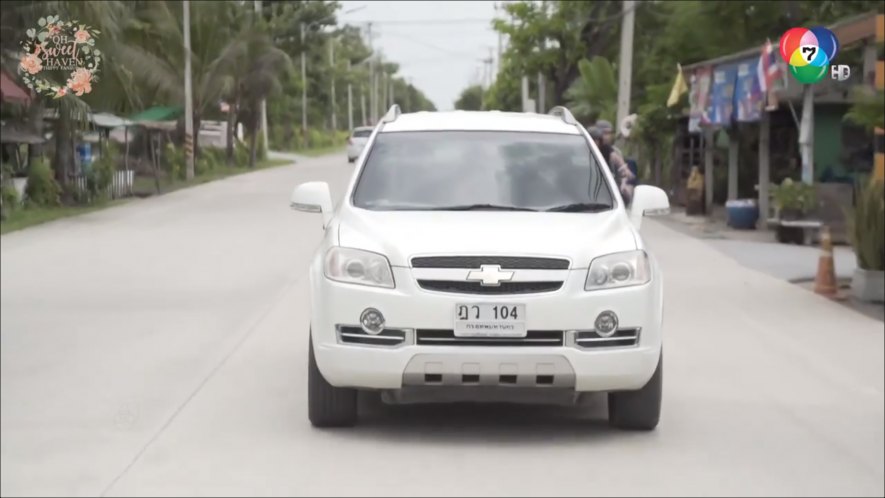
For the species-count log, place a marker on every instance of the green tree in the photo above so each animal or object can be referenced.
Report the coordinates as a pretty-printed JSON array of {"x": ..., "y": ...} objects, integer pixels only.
[
  {"x": 594, "y": 94},
  {"x": 470, "y": 99}
]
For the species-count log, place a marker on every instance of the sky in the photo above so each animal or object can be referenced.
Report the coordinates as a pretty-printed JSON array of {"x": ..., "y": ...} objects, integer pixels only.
[{"x": 439, "y": 45}]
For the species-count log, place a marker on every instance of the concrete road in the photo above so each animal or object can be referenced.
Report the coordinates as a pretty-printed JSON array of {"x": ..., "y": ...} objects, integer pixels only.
[{"x": 159, "y": 348}]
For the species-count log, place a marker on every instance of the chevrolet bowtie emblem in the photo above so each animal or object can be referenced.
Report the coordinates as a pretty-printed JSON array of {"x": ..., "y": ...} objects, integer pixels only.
[{"x": 489, "y": 275}]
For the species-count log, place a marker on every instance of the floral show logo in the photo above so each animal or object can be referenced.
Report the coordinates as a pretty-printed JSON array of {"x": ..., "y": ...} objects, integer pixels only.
[{"x": 60, "y": 58}]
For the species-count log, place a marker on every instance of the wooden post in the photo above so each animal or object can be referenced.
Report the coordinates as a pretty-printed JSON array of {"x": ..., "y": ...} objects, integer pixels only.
[
  {"x": 733, "y": 163},
  {"x": 126, "y": 156},
  {"x": 708, "y": 170},
  {"x": 764, "y": 172},
  {"x": 879, "y": 162}
]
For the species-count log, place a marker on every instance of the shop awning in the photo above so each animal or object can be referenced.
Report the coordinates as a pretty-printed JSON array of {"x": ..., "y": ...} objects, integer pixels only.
[
  {"x": 158, "y": 114},
  {"x": 107, "y": 120},
  {"x": 13, "y": 135},
  {"x": 10, "y": 91}
]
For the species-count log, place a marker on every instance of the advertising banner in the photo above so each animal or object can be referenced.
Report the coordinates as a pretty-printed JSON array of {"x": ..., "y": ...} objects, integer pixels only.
[
  {"x": 748, "y": 94},
  {"x": 699, "y": 98},
  {"x": 722, "y": 95}
]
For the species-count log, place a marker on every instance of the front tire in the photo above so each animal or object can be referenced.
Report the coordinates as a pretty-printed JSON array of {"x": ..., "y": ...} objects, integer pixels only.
[
  {"x": 328, "y": 406},
  {"x": 638, "y": 410}
]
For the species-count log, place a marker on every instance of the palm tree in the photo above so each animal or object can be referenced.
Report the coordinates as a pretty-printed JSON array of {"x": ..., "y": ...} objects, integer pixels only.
[
  {"x": 158, "y": 62},
  {"x": 594, "y": 95},
  {"x": 259, "y": 78}
]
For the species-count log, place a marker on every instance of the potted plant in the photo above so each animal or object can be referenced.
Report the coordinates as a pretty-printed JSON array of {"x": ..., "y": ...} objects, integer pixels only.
[
  {"x": 866, "y": 226},
  {"x": 792, "y": 201}
]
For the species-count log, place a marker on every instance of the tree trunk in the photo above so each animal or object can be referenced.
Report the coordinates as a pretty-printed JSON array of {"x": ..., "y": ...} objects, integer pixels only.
[
  {"x": 64, "y": 145},
  {"x": 253, "y": 138},
  {"x": 231, "y": 124},
  {"x": 196, "y": 135}
]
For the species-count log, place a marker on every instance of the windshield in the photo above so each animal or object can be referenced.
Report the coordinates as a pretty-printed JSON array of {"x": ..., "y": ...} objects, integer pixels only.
[{"x": 460, "y": 170}]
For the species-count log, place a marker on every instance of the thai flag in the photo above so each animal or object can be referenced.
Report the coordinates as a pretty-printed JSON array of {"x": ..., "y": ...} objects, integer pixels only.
[{"x": 769, "y": 71}]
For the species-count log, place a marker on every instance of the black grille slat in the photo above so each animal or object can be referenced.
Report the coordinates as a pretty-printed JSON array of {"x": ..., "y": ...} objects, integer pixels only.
[
  {"x": 462, "y": 287},
  {"x": 443, "y": 337},
  {"x": 505, "y": 262}
]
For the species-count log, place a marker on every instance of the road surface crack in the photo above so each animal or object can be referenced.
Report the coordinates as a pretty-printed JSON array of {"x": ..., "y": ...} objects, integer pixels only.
[{"x": 246, "y": 335}]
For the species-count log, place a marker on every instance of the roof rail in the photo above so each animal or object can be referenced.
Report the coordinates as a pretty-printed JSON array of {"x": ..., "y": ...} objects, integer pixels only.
[
  {"x": 564, "y": 114},
  {"x": 392, "y": 114}
]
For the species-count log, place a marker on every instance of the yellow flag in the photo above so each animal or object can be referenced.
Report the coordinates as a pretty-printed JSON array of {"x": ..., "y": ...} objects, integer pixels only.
[{"x": 679, "y": 87}]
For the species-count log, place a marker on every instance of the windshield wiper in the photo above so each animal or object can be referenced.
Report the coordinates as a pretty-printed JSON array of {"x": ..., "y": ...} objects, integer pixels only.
[
  {"x": 581, "y": 207},
  {"x": 466, "y": 207}
]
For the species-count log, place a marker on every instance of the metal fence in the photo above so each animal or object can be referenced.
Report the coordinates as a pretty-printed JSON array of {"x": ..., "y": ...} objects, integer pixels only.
[{"x": 121, "y": 184}]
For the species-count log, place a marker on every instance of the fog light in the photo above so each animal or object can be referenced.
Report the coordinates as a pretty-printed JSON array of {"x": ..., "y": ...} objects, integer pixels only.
[
  {"x": 606, "y": 324},
  {"x": 372, "y": 321}
]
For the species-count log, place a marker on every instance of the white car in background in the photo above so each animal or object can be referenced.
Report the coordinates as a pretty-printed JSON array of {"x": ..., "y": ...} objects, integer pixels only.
[
  {"x": 484, "y": 256},
  {"x": 357, "y": 140}
]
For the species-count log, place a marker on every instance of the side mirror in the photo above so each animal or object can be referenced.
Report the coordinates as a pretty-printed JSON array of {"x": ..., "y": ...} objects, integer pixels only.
[
  {"x": 648, "y": 201},
  {"x": 313, "y": 197}
]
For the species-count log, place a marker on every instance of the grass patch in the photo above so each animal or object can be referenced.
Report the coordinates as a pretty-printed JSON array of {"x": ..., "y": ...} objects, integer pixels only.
[
  {"x": 146, "y": 185},
  {"x": 30, "y": 216},
  {"x": 321, "y": 151}
]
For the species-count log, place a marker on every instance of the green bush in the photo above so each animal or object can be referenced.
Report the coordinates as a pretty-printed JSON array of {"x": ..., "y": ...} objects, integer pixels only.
[
  {"x": 790, "y": 195},
  {"x": 42, "y": 188},
  {"x": 174, "y": 162},
  {"x": 8, "y": 200},
  {"x": 241, "y": 155},
  {"x": 203, "y": 165},
  {"x": 101, "y": 174},
  {"x": 260, "y": 154},
  {"x": 866, "y": 227}
]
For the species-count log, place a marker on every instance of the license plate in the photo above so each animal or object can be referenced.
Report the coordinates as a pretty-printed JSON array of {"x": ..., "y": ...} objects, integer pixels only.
[{"x": 490, "y": 320}]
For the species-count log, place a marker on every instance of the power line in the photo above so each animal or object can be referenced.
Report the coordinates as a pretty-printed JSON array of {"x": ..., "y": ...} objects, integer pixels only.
[
  {"x": 431, "y": 21},
  {"x": 429, "y": 45}
]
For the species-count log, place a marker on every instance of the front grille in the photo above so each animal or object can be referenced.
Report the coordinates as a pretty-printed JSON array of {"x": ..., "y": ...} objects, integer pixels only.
[
  {"x": 443, "y": 337},
  {"x": 461, "y": 287},
  {"x": 356, "y": 335},
  {"x": 505, "y": 262},
  {"x": 621, "y": 338}
]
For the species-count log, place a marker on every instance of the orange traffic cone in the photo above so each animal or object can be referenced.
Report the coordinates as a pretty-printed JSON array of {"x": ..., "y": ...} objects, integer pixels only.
[{"x": 825, "y": 281}]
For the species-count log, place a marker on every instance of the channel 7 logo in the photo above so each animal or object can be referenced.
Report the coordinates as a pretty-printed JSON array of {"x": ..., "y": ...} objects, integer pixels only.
[{"x": 809, "y": 53}]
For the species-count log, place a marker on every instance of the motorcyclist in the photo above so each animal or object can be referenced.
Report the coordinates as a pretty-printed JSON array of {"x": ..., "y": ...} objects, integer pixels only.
[{"x": 619, "y": 167}]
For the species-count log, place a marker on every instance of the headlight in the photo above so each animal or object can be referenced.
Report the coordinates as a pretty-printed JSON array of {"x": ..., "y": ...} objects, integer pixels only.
[
  {"x": 618, "y": 270},
  {"x": 355, "y": 266}
]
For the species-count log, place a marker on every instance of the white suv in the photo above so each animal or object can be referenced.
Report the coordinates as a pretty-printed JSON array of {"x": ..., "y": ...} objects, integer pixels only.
[{"x": 483, "y": 256}]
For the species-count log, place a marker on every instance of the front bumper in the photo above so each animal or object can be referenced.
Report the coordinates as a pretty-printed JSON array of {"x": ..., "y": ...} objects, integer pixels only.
[{"x": 412, "y": 308}]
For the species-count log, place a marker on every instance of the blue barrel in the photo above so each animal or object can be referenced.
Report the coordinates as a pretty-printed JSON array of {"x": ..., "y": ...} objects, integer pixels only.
[
  {"x": 742, "y": 214},
  {"x": 84, "y": 151}
]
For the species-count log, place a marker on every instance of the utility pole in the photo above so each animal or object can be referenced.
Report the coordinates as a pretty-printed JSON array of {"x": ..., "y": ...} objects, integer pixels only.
[
  {"x": 363, "y": 106},
  {"x": 263, "y": 101},
  {"x": 188, "y": 94},
  {"x": 525, "y": 94},
  {"x": 332, "y": 67},
  {"x": 303, "y": 87},
  {"x": 625, "y": 68},
  {"x": 542, "y": 91},
  {"x": 500, "y": 43},
  {"x": 374, "y": 98},
  {"x": 384, "y": 93},
  {"x": 392, "y": 96},
  {"x": 349, "y": 99},
  {"x": 373, "y": 78}
]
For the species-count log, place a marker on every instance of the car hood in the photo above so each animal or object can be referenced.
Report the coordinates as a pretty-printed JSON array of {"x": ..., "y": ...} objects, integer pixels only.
[{"x": 401, "y": 235}]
